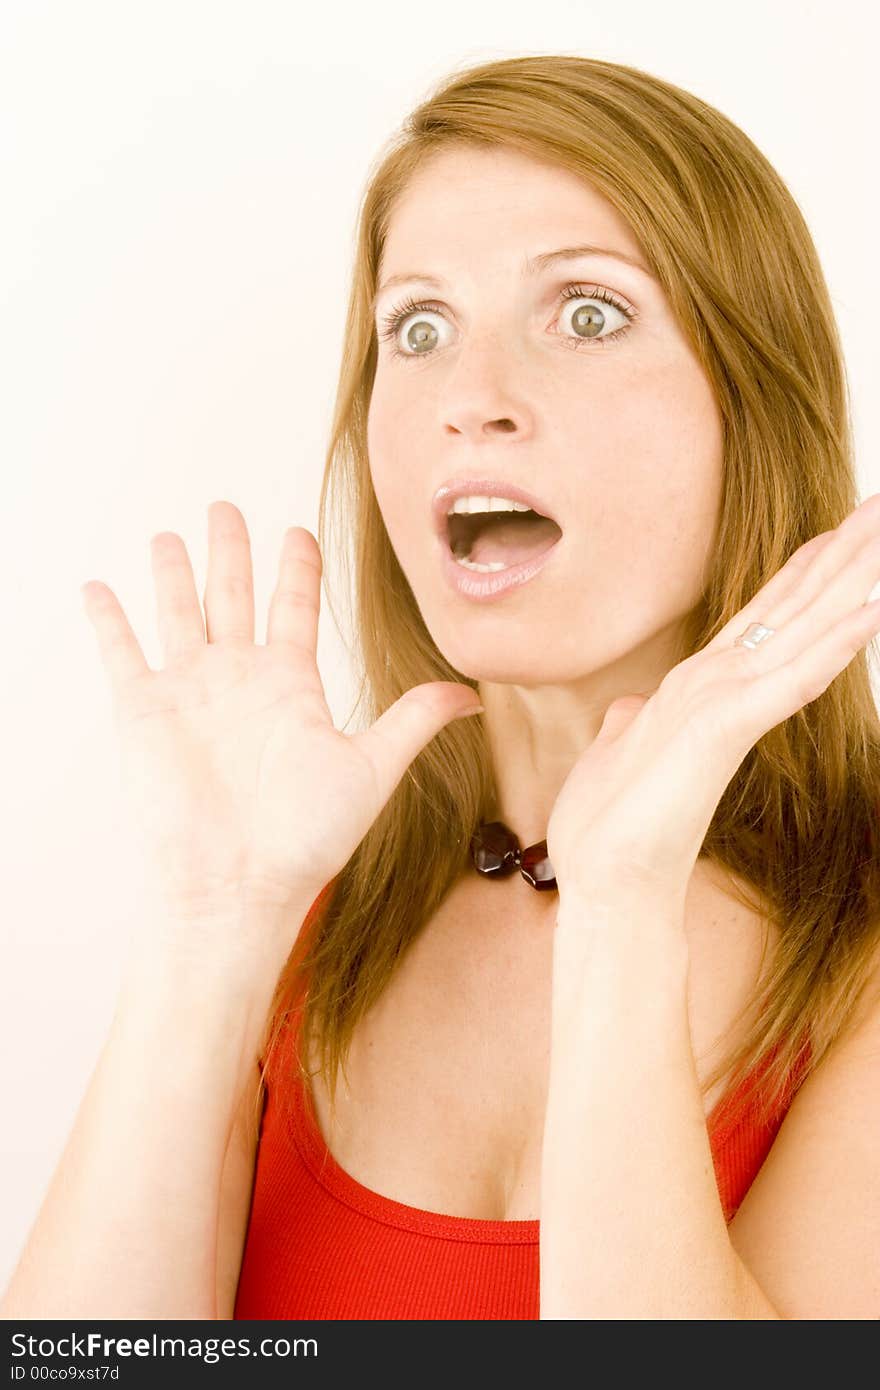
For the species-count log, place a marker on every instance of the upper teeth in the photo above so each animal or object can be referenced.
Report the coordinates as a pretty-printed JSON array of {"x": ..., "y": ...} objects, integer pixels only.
[{"x": 487, "y": 504}]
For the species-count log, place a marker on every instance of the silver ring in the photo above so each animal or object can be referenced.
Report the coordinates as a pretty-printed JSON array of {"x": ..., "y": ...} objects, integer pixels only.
[{"x": 754, "y": 635}]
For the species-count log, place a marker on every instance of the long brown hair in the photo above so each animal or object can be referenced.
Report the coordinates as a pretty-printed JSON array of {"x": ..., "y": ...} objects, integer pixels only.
[{"x": 795, "y": 830}]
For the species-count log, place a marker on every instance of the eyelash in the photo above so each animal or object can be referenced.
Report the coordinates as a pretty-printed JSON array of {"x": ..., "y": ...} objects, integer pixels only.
[{"x": 392, "y": 321}]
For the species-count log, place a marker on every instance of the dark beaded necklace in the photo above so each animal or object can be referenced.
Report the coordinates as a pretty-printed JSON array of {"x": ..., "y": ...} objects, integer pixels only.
[{"x": 495, "y": 852}]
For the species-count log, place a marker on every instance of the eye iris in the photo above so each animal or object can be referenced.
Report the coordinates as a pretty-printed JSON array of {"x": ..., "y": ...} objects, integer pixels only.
[
  {"x": 588, "y": 317},
  {"x": 420, "y": 333}
]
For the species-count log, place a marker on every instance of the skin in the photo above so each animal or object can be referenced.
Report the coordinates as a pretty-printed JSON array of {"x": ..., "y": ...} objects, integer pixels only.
[{"x": 623, "y": 442}]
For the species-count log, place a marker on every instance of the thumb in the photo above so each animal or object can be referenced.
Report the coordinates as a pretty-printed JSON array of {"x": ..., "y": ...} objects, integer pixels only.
[
  {"x": 407, "y": 726},
  {"x": 620, "y": 714}
]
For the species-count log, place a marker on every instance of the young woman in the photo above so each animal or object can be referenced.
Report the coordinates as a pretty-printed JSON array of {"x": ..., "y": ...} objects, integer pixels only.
[{"x": 568, "y": 1010}]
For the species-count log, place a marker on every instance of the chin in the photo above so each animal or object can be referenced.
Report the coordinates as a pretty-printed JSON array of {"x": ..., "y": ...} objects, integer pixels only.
[{"x": 508, "y": 667}]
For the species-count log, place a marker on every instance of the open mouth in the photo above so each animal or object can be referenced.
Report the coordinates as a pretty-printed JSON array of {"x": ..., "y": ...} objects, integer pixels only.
[{"x": 500, "y": 539}]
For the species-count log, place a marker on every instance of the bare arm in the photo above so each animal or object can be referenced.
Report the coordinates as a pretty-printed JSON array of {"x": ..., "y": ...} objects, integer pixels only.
[
  {"x": 129, "y": 1224},
  {"x": 241, "y": 790},
  {"x": 236, "y": 1194}
]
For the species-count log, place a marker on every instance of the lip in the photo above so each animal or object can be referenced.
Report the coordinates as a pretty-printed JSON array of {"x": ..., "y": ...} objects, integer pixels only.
[
  {"x": 481, "y": 487},
  {"x": 483, "y": 588}
]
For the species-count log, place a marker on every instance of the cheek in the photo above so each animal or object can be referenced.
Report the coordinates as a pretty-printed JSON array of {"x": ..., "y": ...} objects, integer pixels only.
[
  {"x": 380, "y": 448},
  {"x": 653, "y": 454},
  {"x": 393, "y": 470},
  {"x": 660, "y": 426}
]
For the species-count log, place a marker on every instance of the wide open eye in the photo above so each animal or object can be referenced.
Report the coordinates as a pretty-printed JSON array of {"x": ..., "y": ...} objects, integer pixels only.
[{"x": 594, "y": 317}]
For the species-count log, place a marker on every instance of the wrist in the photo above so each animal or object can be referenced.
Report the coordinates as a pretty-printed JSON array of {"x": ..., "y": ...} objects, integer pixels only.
[
  {"x": 226, "y": 951},
  {"x": 601, "y": 901},
  {"x": 619, "y": 926},
  {"x": 180, "y": 1034},
  {"x": 610, "y": 962}
]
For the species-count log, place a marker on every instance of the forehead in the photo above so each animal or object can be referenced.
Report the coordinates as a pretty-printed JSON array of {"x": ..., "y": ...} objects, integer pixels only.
[{"x": 464, "y": 201}]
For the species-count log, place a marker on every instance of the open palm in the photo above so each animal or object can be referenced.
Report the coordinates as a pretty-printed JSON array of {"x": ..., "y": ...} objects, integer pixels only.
[{"x": 239, "y": 783}]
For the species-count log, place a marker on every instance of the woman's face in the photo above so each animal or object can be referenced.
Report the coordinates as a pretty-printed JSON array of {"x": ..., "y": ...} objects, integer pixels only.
[{"x": 622, "y": 438}]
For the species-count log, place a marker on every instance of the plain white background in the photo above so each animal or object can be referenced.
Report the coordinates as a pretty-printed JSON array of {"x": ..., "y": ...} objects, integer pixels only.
[{"x": 179, "y": 183}]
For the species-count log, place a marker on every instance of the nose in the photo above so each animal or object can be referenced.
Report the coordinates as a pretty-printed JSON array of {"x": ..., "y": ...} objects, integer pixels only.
[
  {"x": 481, "y": 403},
  {"x": 482, "y": 396},
  {"x": 471, "y": 419}
]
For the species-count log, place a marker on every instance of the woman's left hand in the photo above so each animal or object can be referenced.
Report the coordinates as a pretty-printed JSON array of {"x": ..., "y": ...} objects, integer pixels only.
[{"x": 636, "y": 806}]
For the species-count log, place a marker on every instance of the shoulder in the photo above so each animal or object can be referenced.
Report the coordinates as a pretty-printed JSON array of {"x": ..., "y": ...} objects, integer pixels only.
[
  {"x": 731, "y": 941},
  {"x": 808, "y": 1229},
  {"x": 720, "y": 902}
]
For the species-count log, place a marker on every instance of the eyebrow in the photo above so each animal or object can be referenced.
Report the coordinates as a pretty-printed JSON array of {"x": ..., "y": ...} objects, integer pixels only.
[{"x": 532, "y": 266}]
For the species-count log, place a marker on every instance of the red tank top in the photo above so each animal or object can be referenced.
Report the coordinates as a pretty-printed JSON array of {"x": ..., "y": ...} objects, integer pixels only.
[{"x": 320, "y": 1245}]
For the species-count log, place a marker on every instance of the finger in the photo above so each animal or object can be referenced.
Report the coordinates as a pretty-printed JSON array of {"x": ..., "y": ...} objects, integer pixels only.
[
  {"x": 296, "y": 602},
  {"x": 844, "y": 593},
  {"x": 805, "y": 655},
  {"x": 773, "y": 595},
  {"x": 401, "y": 733},
  {"x": 777, "y": 694},
  {"x": 845, "y": 543},
  {"x": 119, "y": 649},
  {"x": 620, "y": 714},
  {"x": 806, "y": 574},
  {"x": 229, "y": 589},
  {"x": 179, "y": 613}
]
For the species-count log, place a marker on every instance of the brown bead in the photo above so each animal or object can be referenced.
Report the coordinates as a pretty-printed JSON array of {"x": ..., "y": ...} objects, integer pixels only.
[
  {"x": 495, "y": 849},
  {"x": 536, "y": 868},
  {"x": 495, "y": 852}
]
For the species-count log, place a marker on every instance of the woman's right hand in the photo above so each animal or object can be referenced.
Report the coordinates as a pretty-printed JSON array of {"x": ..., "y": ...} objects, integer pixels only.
[{"x": 241, "y": 788}]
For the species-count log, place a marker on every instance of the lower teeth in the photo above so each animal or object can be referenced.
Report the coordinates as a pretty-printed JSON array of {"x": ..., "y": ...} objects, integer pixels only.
[{"x": 484, "y": 569}]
